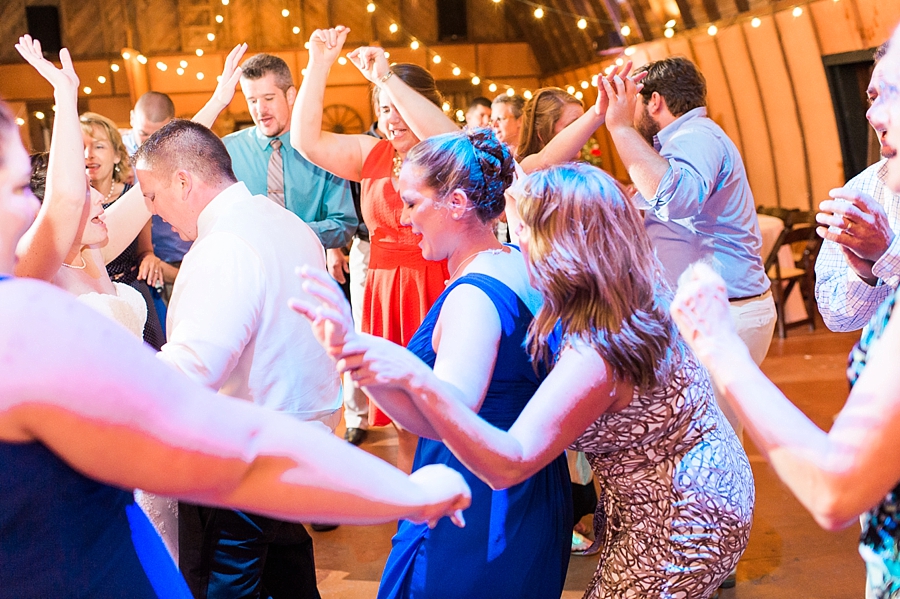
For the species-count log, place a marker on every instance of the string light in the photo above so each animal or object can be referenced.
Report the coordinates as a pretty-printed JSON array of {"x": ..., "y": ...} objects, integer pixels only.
[
  {"x": 579, "y": 95},
  {"x": 285, "y": 13},
  {"x": 476, "y": 80},
  {"x": 539, "y": 13},
  {"x": 582, "y": 23},
  {"x": 162, "y": 66},
  {"x": 303, "y": 72},
  {"x": 101, "y": 79},
  {"x": 296, "y": 30},
  {"x": 712, "y": 30},
  {"x": 219, "y": 18},
  {"x": 510, "y": 92},
  {"x": 594, "y": 81},
  {"x": 630, "y": 50},
  {"x": 387, "y": 54},
  {"x": 496, "y": 1},
  {"x": 585, "y": 85},
  {"x": 114, "y": 68},
  {"x": 756, "y": 22},
  {"x": 393, "y": 28},
  {"x": 445, "y": 107},
  {"x": 619, "y": 62},
  {"x": 626, "y": 30},
  {"x": 39, "y": 115},
  {"x": 527, "y": 94},
  {"x": 211, "y": 36},
  {"x": 20, "y": 121},
  {"x": 571, "y": 89},
  {"x": 456, "y": 71},
  {"x": 180, "y": 71},
  {"x": 797, "y": 11},
  {"x": 87, "y": 90},
  {"x": 492, "y": 87},
  {"x": 342, "y": 61},
  {"x": 669, "y": 32},
  {"x": 200, "y": 76},
  {"x": 142, "y": 59},
  {"x": 224, "y": 2},
  {"x": 183, "y": 64},
  {"x": 436, "y": 59},
  {"x": 306, "y": 45},
  {"x": 414, "y": 44},
  {"x": 460, "y": 116},
  {"x": 199, "y": 52},
  {"x": 670, "y": 23},
  {"x": 126, "y": 55},
  {"x": 370, "y": 7}
]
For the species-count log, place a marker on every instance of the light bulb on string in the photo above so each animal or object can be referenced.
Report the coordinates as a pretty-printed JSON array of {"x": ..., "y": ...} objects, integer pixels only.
[
  {"x": 224, "y": 2},
  {"x": 219, "y": 18},
  {"x": 585, "y": 85},
  {"x": 414, "y": 44},
  {"x": 445, "y": 107},
  {"x": 670, "y": 23},
  {"x": 527, "y": 94},
  {"x": 180, "y": 71},
  {"x": 571, "y": 89},
  {"x": 619, "y": 62},
  {"x": 126, "y": 55},
  {"x": 579, "y": 94},
  {"x": 142, "y": 59},
  {"x": 630, "y": 50},
  {"x": 669, "y": 32},
  {"x": 460, "y": 116},
  {"x": 199, "y": 52},
  {"x": 20, "y": 121},
  {"x": 539, "y": 13},
  {"x": 285, "y": 13},
  {"x": 456, "y": 71},
  {"x": 211, "y": 36},
  {"x": 200, "y": 76},
  {"x": 436, "y": 59},
  {"x": 797, "y": 11},
  {"x": 39, "y": 115},
  {"x": 183, "y": 64},
  {"x": 162, "y": 66},
  {"x": 387, "y": 54},
  {"x": 296, "y": 30},
  {"x": 114, "y": 68},
  {"x": 492, "y": 87},
  {"x": 712, "y": 30},
  {"x": 496, "y": 1},
  {"x": 87, "y": 90},
  {"x": 510, "y": 92},
  {"x": 582, "y": 23},
  {"x": 476, "y": 80},
  {"x": 393, "y": 28},
  {"x": 370, "y": 7},
  {"x": 756, "y": 22},
  {"x": 342, "y": 61},
  {"x": 626, "y": 30},
  {"x": 101, "y": 79}
]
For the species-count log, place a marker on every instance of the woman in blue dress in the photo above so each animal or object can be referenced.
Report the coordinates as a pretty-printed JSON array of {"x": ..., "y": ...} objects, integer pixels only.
[
  {"x": 516, "y": 540},
  {"x": 87, "y": 413}
]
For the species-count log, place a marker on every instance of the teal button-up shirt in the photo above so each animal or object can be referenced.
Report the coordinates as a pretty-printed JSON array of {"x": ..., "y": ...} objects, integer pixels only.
[{"x": 320, "y": 199}]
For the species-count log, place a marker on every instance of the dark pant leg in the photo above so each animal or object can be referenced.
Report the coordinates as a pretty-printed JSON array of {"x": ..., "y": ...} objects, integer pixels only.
[
  {"x": 290, "y": 570},
  {"x": 190, "y": 544}
]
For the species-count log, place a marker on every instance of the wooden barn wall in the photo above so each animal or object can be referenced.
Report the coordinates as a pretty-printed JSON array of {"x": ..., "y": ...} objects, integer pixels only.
[{"x": 768, "y": 91}]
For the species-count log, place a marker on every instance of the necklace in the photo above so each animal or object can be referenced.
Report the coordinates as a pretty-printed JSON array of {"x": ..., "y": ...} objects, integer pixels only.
[
  {"x": 397, "y": 165},
  {"x": 112, "y": 186},
  {"x": 469, "y": 259},
  {"x": 83, "y": 263}
]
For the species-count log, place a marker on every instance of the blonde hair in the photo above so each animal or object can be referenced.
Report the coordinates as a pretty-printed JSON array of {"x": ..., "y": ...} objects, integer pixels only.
[
  {"x": 542, "y": 112},
  {"x": 602, "y": 283},
  {"x": 90, "y": 120}
]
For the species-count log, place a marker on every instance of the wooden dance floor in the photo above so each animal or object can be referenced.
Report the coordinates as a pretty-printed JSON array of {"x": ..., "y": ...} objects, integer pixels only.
[{"x": 789, "y": 556}]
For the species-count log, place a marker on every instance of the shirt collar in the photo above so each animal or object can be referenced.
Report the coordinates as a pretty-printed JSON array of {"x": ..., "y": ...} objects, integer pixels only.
[
  {"x": 219, "y": 204},
  {"x": 666, "y": 133},
  {"x": 265, "y": 140}
]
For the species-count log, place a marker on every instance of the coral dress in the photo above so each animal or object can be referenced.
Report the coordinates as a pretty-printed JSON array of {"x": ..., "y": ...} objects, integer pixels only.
[{"x": 401, "y": 285}]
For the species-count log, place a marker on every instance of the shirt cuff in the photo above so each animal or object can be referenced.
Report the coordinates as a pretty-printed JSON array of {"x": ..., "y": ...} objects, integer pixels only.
[
  {"x": 666, "y": 188},
  {"x": 887, "y": 267}
]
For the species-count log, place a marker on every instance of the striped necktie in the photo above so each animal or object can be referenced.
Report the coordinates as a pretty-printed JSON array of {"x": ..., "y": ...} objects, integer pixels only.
[{"x": 275, "y": 174}]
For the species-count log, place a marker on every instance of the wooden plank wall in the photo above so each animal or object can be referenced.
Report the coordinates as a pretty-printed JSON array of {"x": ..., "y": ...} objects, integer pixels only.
[{"x": 767, "y": 89}]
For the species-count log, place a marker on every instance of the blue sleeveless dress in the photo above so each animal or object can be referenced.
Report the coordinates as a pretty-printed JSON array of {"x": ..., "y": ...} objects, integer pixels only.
[
  {"x": 516, "y": 541},
  {"x": 65, "y": 535}
]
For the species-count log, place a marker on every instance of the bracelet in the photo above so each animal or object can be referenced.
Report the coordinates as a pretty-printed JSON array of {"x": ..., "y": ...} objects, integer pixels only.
[{"x": 387, "y": 76}]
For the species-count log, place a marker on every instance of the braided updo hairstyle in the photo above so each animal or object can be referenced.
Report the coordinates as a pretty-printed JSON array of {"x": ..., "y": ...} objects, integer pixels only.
[{"x": 474, "y": 161}]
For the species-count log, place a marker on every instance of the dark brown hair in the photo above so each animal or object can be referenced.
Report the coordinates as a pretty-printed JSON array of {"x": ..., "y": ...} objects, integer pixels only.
[
  {"x": 592, "y": 261},
  {"x": 474, "y": 161},
  {"x": 541, "y": 114},
  {"x": 40, "y": 162},
  {"x": 678, "y": 81},
  {"x": 418, "y": 79},
  {"x": 260, "y": 65},
  {"x": 183, "y": 144}
]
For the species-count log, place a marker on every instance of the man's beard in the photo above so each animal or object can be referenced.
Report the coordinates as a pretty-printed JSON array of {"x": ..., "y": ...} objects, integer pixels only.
[{"x": 647, "y": 127}]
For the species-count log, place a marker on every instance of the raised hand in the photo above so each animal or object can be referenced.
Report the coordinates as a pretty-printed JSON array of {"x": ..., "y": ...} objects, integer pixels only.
[
  {"x": 447, "y": 491},
  {"x": 328, "y": 312},
  {"x": 700, "y": 309},
  {"x": 371, "y": 62},
  {"x": 857, "y": 222},
  {"x": 231, "y": 74},
  {"x": 624, "y": 72},
  {"x": 621, "y": 95},
  {"x": 325, "y": 45},
  {"x": 62, "y": 79}
]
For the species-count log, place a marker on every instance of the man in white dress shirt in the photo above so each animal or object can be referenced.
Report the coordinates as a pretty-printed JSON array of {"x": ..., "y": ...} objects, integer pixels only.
[{"x": 230, "y": 329}]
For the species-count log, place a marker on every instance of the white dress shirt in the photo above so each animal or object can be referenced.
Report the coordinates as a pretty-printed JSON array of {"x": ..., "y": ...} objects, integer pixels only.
[
  {"x": 229, "y": 324},
  {"x": 845, "y": 301}
]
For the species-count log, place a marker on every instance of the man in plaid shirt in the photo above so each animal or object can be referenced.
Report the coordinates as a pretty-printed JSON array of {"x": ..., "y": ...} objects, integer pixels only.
[{"x": 859, "y": 263}]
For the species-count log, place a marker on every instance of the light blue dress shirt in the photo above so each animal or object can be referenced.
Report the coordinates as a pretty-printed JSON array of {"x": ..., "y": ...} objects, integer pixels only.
[
  {"x": 703, "y": 208},
  {"x": 320, "y": 199}
]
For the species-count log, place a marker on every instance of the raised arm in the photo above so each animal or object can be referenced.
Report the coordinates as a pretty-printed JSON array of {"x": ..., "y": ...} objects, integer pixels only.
[
  {"x": 425, "y": 118},
  {"x": 836, "y": 475},
  {"x": 340, "y": 154},
  {"x": 54, "y": 232},
  {"x": 102, "y": 402},
  {"x": 224, "y": 92}
]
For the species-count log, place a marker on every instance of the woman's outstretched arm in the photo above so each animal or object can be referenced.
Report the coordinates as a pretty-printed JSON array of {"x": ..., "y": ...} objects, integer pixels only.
[
  {"x": 60, "y": 221},
  {"x": 836, "y": 475},
  {"x": 81, "y": 385},
  {"x": 340, "y": 154}
]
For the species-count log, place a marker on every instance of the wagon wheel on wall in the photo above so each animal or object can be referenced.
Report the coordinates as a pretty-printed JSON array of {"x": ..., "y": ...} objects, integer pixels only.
[{"x": 339, "y": 118}]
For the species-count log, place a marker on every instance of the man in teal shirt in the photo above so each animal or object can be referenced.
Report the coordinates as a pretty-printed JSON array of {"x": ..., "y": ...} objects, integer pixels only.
[{"x": 320, "y": 199}]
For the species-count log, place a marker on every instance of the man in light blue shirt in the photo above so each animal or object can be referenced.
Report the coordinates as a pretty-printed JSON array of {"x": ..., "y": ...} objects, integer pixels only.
[
  {"x": 692, "y": 183},
  {"x": 319, "y": 198}
]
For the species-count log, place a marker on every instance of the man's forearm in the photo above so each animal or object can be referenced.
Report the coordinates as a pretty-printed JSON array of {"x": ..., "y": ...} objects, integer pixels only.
[{"x": 644, "y": 164}]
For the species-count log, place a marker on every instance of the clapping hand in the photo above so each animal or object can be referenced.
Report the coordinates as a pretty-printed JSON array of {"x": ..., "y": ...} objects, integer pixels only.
[
  {"x": 328, "y": 311},
  {"x": 371, "y": 62},
  {"x": 602, "y": 104},
  {"x": 620, "y": 93},
  {"x": 325, "y": 45},
  {"x": 62, "y": 79},
  {"x": 700, "y": 309}
]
